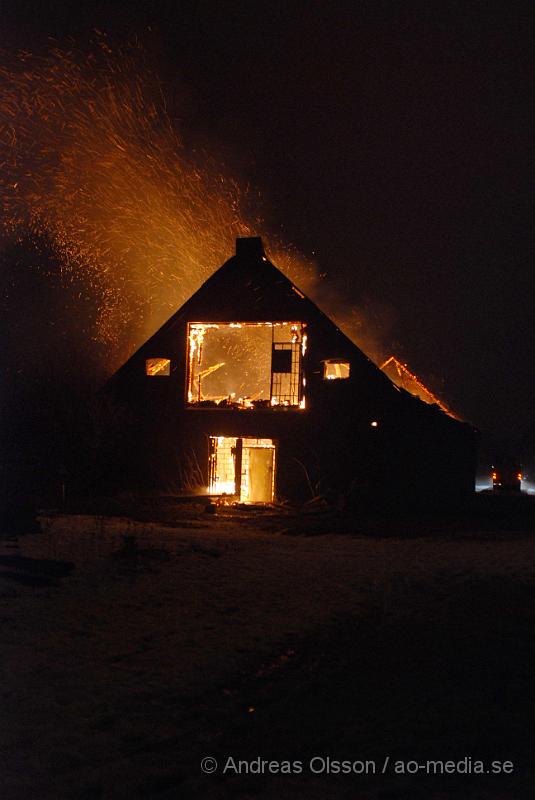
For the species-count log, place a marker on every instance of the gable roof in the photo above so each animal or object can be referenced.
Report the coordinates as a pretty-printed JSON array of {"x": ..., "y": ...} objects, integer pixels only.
[{"x": 250, "y": 288}]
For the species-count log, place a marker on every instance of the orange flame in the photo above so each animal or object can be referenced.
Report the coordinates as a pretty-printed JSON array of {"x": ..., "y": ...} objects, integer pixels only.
[{"x": 407, "y": 380}]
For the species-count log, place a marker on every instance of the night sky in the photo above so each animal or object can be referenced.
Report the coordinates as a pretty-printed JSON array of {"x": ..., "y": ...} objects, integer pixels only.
[{"x": 392, "y": 142}]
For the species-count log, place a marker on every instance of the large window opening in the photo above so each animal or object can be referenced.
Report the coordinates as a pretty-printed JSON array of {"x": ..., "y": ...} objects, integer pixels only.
[
  {"x": 246, "y": 365},
  {"x": 243, "y": 468}
]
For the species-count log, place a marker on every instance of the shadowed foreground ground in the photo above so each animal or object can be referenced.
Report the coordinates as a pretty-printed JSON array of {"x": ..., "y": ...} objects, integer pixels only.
[
  {"x": 123, "y": 668},
  {"x": 444, "y": 680}
]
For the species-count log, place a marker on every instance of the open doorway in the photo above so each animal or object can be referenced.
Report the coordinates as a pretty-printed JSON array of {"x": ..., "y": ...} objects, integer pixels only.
[{"x": 243, "y": 468}]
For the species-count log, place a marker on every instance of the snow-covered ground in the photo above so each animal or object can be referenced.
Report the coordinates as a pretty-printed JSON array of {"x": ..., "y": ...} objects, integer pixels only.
[{"x": 104, "y": 668}]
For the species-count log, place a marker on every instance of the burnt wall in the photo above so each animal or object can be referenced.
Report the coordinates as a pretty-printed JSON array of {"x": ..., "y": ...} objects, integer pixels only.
[{"x": 416, "y": 453}]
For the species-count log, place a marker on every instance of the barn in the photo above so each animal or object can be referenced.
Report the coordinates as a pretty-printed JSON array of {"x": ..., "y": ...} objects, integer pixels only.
[{"x": 250, "y": 392}]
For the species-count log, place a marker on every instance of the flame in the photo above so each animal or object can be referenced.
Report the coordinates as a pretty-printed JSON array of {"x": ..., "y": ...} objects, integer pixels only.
[
  {"x": 407, "y": 380},
  {"x": 157, "y": 366}
]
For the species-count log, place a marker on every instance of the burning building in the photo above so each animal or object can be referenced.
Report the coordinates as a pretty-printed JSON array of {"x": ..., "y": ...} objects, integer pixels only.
[{"x": 249, "y": 391}]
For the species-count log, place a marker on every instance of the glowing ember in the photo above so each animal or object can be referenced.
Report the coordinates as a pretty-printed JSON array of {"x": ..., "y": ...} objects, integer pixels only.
[
  {"x": 158, "y": 366},
  {"x": 90, "y": 158},
  {"x": 91, "y": 161},
  {"x": 404, "y": 378}
]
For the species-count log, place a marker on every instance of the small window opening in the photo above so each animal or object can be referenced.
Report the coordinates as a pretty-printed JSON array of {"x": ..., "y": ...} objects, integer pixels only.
[
  {"x": 335, "y": 370},
  {"x": 155, "y": 367}
]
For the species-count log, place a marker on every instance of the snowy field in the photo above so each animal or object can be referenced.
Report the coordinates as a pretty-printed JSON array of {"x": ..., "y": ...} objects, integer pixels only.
[{"x": 124, "y": 666}]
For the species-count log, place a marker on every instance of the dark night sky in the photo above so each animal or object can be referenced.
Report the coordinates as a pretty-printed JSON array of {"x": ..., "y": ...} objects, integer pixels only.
[{"x": 392, "y": 140}]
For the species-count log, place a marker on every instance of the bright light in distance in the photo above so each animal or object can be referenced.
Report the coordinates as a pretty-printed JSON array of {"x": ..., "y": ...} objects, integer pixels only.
[{"x": 374, "y": 424}]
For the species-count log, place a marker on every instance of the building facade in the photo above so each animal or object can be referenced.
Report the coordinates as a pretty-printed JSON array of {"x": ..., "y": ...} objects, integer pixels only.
[{"x": 249, "y": 391}]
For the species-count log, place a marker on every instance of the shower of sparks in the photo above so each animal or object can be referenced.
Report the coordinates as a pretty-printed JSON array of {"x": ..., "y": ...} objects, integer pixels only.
[{"x": 91, "y": 160}]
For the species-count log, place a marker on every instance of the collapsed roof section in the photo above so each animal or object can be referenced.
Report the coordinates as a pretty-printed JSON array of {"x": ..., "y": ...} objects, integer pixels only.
[{"x": 401, "y": 375}]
